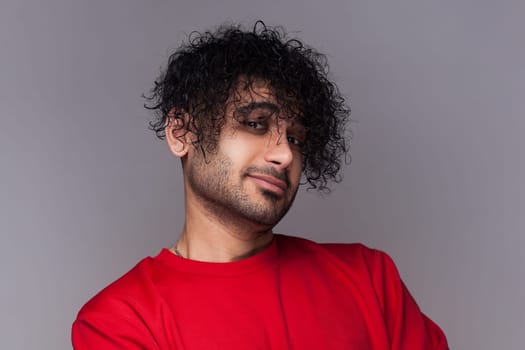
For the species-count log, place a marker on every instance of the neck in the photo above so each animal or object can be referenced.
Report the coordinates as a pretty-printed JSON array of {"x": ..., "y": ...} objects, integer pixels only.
[
  {"x": 214, "y": 237},
  {"x": 195, "y": 248}
]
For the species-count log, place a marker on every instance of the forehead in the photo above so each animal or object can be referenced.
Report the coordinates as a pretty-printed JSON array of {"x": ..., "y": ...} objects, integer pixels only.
[
  {"x": 252, "y": 90},
  {"x": 257, "y": 94}
]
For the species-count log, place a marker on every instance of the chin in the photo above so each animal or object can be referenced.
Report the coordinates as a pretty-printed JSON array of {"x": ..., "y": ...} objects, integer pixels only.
[
  {"x": 268, "y": 216},
  {"x": 274, "y": 197}
]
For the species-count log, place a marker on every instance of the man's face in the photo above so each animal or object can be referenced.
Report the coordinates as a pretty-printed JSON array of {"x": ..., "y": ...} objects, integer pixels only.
[{"x": 255, "y": 170}]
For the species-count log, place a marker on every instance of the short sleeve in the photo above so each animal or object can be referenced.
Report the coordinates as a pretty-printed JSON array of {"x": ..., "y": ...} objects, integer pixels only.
[
  {"x": 407, "y": 326},
  {"x": 114, "y": 327}
]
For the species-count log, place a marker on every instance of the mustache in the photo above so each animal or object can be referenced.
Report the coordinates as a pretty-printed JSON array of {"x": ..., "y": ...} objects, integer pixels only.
[{"x": 283, "y": 176}]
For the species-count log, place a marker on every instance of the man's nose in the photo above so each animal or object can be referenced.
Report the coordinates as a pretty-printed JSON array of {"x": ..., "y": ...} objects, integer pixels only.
[{"x": 278, "y": 150}]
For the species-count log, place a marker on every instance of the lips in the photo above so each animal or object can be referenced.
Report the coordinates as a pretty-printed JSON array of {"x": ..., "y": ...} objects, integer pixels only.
[{"x": 270, "y": 182}]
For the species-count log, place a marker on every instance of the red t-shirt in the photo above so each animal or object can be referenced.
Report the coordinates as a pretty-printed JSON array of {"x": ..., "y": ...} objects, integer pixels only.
[{"x": 296, "y": 294}]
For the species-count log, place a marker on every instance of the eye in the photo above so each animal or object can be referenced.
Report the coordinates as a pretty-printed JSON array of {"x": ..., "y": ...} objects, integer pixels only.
[
  {"x": 294, "y": 141},
  {"x": 254, "y": 125}
]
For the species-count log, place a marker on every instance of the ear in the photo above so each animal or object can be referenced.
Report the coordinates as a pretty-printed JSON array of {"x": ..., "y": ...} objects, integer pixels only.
[{"x": 177, "y": 135}]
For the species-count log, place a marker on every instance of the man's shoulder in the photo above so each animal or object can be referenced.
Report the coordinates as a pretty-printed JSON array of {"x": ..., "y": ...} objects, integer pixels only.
[
  {"x": 355, "y": 262},
  {"x": 134, "y": 285},
  {"x": 349, "y": 253},
  {"x": 123, "y": 313}
]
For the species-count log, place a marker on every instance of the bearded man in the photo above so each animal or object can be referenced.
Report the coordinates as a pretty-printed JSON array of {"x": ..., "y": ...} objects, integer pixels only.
[{"x": 249, "y": 112}]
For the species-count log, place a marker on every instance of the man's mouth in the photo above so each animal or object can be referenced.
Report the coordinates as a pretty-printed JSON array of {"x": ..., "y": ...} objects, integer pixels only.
[{"x": 270, "y": 183}]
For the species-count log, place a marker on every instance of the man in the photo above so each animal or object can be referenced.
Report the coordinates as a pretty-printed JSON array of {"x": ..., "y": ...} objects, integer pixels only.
[{"x": 248, "y": 112}]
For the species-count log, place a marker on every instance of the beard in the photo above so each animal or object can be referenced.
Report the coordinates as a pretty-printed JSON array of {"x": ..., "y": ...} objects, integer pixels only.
[{"x": 224, "y": 195}]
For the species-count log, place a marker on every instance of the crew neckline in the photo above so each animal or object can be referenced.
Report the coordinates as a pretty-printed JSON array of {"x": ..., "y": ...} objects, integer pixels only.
[{"x": 264, "y": 258}]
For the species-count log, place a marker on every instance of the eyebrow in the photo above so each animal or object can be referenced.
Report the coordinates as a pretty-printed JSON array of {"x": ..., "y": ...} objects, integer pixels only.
[
  {"x": 250, "y": 107},
  {"x": 269, "y": 106}
]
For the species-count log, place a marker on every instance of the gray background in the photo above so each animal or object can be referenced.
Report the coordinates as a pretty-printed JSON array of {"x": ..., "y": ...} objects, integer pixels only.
[{"x": 437, "y": 91}]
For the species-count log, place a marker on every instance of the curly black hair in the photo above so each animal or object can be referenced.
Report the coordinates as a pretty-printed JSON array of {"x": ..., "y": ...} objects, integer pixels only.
[{"x": 205, "y": 71}]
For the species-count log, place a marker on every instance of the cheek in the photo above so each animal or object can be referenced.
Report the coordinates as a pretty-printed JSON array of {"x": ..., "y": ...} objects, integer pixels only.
[
  {"x": 296, "y": 167},
  {"x": 240, "y": 153}
]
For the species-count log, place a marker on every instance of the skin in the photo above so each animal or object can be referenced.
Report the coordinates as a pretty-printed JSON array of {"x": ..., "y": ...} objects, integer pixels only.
[{"x": 236, "y": 195}]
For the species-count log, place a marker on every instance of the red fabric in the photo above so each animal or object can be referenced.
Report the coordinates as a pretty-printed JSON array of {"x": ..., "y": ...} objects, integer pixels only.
[{"x": 296, "y": 294}]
